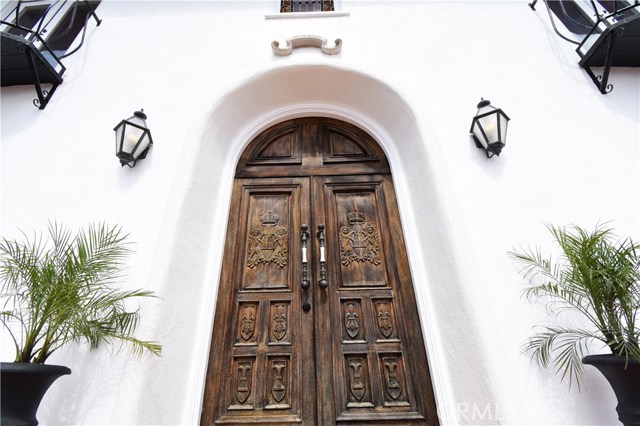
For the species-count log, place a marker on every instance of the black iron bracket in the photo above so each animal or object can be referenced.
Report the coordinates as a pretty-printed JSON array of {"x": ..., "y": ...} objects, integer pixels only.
[
  {"x": 43, "y": 95},
  {"x": 43, "y": 64},
  {"x": 93, "y": 13},
  {"x": 601, "y": 81},
  {"x": 600, "y": 53}
]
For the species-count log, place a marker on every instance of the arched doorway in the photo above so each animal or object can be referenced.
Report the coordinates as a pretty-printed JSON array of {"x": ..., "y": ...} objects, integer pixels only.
[{"x": 316, "y": 320}]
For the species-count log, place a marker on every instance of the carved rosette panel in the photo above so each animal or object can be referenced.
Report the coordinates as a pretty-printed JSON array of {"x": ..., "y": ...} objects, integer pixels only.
[
  {"x": 242, "y": 383},
  {"x": 358, "y": 387},
  {"x": 278, "y": 388},
  {"x": 269, "y": 243},
  {"x": 359, "y": 241},
  {"x": 247, "y": 320},
  {"x": 385, "y": 319},
  {"x": 392, "y": 367},
  {"x": 353, "y": 321},
  {"x": 279, "y": 323}
]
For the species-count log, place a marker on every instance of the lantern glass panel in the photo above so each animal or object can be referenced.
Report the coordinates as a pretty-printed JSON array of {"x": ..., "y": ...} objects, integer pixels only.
[
  {"x": 144, "y": 144},
  {"x": 478, "y": 134},
  {"x": 489, "y": 124},
  {"x": 119, "y": 131},
  {"x": 131, "y": 137},
  {"x": 503, "y": 127}
]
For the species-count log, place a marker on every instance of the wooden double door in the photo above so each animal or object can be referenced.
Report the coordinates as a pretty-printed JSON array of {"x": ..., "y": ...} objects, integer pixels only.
[{"x": 316, "y": 320}]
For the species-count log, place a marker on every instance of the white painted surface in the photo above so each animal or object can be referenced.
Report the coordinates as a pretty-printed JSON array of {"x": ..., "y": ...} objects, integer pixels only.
[{"x": 410, "y": 73}]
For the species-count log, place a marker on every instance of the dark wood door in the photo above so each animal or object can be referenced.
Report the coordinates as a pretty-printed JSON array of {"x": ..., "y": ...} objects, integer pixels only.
[{"x": 316, "y": 319}]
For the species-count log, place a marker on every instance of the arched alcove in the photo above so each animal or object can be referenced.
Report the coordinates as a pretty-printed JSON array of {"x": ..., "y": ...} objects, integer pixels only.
[
  {"x": 194, "y": 232},
  {"x": 343, "y": 341}
]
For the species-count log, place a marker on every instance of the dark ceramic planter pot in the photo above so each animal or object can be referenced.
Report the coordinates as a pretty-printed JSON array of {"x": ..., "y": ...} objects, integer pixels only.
[
  {"x": 23, "y": 386},
  {"x": 625, "y": 383}
]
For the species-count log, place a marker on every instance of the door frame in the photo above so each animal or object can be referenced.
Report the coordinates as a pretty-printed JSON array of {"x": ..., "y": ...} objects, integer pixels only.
[
  {"x": 378, "y": 172},
  {"x": 414, "y": 251}
]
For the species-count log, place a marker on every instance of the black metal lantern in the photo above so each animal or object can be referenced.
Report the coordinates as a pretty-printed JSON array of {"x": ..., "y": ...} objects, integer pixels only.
[
  {"x": 489, "y": 128},
  {"x": 133, "y": 139}
]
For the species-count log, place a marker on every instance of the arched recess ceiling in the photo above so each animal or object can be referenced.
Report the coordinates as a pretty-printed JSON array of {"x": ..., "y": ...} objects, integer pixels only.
[{"x": 194, "y": 231}]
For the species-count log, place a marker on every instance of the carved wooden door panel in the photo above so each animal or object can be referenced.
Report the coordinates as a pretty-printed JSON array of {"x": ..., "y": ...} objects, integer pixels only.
[
  {"x": 368, "y": 327},
  {"x": 316, "y": 319},
  {"x": 262, "y": 373}
]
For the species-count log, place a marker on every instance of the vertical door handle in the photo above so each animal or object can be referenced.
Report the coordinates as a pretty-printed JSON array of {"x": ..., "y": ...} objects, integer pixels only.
[
  {"x": 323, "y": 262},
  {"x": 305, "y": 272},
  {"x": 305, "y": 236}
]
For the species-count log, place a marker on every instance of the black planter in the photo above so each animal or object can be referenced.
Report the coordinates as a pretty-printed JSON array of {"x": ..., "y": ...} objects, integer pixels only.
[
  {"x": 23, "y": 386},
  {"x": 625, "y": 384}
]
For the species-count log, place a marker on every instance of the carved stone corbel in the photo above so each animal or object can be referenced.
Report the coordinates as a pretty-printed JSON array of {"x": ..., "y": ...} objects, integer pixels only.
[{"x": 306, "y": 41}]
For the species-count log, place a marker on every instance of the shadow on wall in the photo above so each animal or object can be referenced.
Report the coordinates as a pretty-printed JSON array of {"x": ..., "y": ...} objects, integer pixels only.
[
  {"x": 624, "y": 101},
  {"x": 18, "y": 112},
  {"x": 75, "y": 399}
]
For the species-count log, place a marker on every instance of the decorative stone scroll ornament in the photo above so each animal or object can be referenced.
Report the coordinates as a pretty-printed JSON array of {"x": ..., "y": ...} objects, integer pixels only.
[
  {"x": 306, "y": 41},
  {"x": 269, "y": 244}
]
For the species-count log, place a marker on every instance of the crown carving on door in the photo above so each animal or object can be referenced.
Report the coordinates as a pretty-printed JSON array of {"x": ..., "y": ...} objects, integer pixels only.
[
  {"x": 356, "y": 218},
  {"x": 269, "y": 219}
]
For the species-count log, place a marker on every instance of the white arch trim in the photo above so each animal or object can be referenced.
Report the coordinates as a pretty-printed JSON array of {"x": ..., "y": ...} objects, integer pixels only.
[
  {"x": 195, "y": 229},
  {"x": 420, "y": 280}
]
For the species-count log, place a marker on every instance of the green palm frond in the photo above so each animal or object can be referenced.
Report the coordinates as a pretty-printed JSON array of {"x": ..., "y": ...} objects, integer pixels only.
[
  {"x": 561, "y": 347},
  {"x": 61, "y": 289},
  {"x": 594, "y": 275}
]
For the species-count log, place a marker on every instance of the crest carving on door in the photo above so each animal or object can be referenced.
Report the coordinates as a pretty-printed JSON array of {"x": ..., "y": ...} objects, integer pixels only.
[
  {"x": 359, "y": 241},
  {"x": 268, "y": 244}
]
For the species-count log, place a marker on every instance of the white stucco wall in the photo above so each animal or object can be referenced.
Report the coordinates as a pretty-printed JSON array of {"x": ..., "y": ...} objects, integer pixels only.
[{"x": 411, "y": 74}]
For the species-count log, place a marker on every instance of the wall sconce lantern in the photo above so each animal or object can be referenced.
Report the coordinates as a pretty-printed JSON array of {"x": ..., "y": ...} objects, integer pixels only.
[
  {"x": 489, "y": 128},
  {"x": 133, "y": 139}
]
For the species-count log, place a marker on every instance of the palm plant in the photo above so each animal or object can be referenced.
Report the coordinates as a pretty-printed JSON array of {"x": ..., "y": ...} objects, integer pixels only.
[
  {"x": 596, "y": 275},
  {"x": 58, "y": 289}
]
